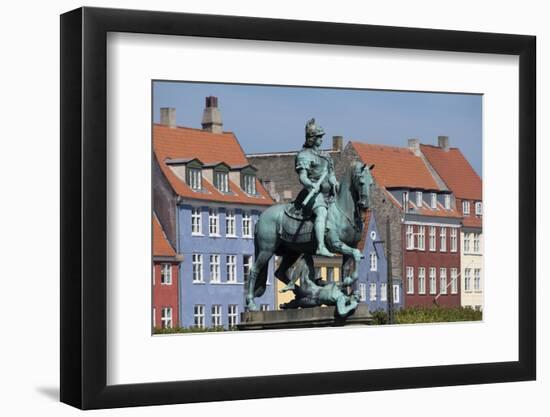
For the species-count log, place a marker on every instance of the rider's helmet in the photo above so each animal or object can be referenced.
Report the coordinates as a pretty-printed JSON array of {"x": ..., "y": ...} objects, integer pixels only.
[{"x": 312, "y": 132}]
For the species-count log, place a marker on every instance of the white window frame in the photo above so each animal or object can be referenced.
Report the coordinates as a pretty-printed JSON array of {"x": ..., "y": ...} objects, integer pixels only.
[
  {"x": 195, "y": 178},
  {"x": 447, "y": 201},
  {"x": 232, "y": 315},
  {"x": 477, "y": 279},
  {"x": 468, "y": 280},
  {"x": 419, "y": 199},
  {"x": 466, "y": 207},
  {"x": 410, "y": 280},
  {"x": 154, "y": 274},
  {"x": 421, "y": 238},
  {"x": 454, "y": 239},
  {"x": 421, "y": 280},
  {"x": 373, "y": 261},
  {"x": 330, "y": 274},
  {"x": 231, "y": 268},
  {"x": 215, "y": 268},
  {"x": 396, "y": 293},
  {"x": 362, "y": 291},
  {"x": 247, "y": 266},
  {"x": 410, "y": 237},
  {"x": 372, "y": 291},
  {"x": 479, "y": 209},
  {"x": 433, "y": 238},
  {"x": 154, "y": 317},
  {"x": 217, "y": 318},
  {"x": 247, "y": 224},
  {"x": 433, "y": 280},
  {"x": 467, "y": 242},
  {"x": 166, "y": 318},
  {"x": 264, "y": 307},
  {"x": 196, "y": 260},
  {"x": 433, "y": 200},
  {"x": 383, "y": 291},
  {"x": 477, "y": 241},
  {"x": 443, "y": 280},
  {"x": 196, "y": 221},
  {"x": 222, "y": 181},
  {"x": 405, "y": 201},
  {"x": 249, "y": 182},
  {"x": 230, "y": 223},
  {"x": 165, "y": 274},
  {"x": 454, "y": 281},
  {"x": 443, "y": 239},
  {"x": 213, "y": 222},
  {"x": 199, "y": 316}
]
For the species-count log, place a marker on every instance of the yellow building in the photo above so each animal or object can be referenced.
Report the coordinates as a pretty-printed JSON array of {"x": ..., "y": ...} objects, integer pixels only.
[{"x": 471, "y": 273}]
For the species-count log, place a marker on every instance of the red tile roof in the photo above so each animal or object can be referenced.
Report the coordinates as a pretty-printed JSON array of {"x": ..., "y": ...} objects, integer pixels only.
[
  {"x": 396, "y": 167},
  {"x": 455, "y": 171},
  {"x": 187, "y": 143},
  {"x": 161, "y": 246}
]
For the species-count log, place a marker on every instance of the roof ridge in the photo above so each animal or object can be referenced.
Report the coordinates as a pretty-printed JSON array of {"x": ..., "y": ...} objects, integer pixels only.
[{"x": 197, "y": 129}]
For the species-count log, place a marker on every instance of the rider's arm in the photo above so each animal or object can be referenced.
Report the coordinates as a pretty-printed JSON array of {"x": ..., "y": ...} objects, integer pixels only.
[{"x": 304, "y": 180}]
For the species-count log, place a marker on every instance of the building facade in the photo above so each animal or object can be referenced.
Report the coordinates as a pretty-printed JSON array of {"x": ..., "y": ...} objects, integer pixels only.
[{"x": 208, "y": 197}]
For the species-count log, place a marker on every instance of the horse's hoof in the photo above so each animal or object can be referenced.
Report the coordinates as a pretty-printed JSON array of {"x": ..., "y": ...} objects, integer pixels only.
[{"x": 250, "y": 306}]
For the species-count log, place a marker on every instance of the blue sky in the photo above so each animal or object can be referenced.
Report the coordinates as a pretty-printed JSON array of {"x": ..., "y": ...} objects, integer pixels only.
[{"x": 272, "y": 118}]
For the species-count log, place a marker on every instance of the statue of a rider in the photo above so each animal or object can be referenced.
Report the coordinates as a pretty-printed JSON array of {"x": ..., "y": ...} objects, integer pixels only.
[{"x": 315, "y": 168}]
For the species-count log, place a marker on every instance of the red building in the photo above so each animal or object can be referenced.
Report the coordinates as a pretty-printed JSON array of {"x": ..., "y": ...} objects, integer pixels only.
[{"x": 165, "y": 280}]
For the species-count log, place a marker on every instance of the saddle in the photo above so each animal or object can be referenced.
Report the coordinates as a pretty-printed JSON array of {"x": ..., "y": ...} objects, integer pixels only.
[{"x": 297, "y": 222}]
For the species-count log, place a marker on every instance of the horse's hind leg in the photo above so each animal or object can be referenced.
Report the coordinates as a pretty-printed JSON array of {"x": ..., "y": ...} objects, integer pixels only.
[
  {"x": 259, "y": 264},
  {"x": 281, "y": 273}
]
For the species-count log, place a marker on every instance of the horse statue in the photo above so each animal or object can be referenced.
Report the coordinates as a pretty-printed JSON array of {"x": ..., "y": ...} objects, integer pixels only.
[{"x": 285, "y": 230}]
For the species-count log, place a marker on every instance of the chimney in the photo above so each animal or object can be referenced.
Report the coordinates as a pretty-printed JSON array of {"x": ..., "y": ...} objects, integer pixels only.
[
  {"x": 443, "y": 143},
  {"x": 211, "y": 117},
  {"x": 337, "y": 143},
  {"x": 414, "y": 146},
  {"x": 168, "y": 116}
]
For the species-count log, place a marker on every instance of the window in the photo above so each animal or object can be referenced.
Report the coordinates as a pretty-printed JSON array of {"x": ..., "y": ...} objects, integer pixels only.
[
  {"x": 383, "y": 292},
  {"x": 154, "y": 317},
  {"x": 466, "y": 242},
  {"x": 231, "y": 261},
  {"x": 410, "y": 237},
  {"x": 447, "y": 201},
  {"x": 395, "y": 293},
  {"x": 247, "y": 225},
  {"x": 216, "y": 315},
  {"x": 419, "y": 199},
  {"x": 166, "y": 317},
  {"x": 433, "y": 200},
  {"x": 197, "y": 267},
  {"x": 165, "y": 274},
  {"x": 154, "y": 273},
  {"x": 432, "y": 281},
  {"x": 421, "y": 280},
  {"x": 468, "y": 279},
  {"x": 443, "y": 281},
  {"x": 213, "y": 222},
  {"x": 373, "y": 261},
  {"x": 362, "y": 291},
  {"x": 476, "y": 243},
  {"x": 405, "y": 201},
  {"x": 443, "y": 238},
  {"x": 249, "y": 184},
  {"x": 195, "y": 178},
  {"x": 466, "y": 207},
  {"x": 264, "y": 307},
  {"x": 454, "y": 281},
  {"x": 198, "y": 314},
  {"x": 478, "y": 208},
  {"x": 232, "y": 315},
  {"x": 410, "y": 280},
  {"x": 247, "y": 266},
  {"x": 477, "y": 279},
  {"x": 454, "y": 239},
  {"x": 330, "y": 274},
  {"x": 196, "y": 221},
  {"x": 230, "y": 223},
  {"x": 215, "y": 268},
  {"x": 421, "y": 238},
  {"x": 432, "y": 238},
  {"x": 221, "y": 181},
  {"x": 372, "y": 291}
]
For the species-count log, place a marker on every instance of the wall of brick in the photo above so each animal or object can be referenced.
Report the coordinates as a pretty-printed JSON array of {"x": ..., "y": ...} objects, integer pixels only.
[
  {"x": 165, "y": 295},
  {"x": 164, "y": 203}
]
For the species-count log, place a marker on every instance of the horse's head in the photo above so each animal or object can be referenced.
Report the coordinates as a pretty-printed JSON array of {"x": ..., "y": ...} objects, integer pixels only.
[{"x": 361, "y": 182}]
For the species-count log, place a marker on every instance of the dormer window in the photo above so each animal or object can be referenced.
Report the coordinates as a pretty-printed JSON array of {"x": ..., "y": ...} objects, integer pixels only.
[
  {"x": 249, "y": 184},
  {"x": 221, "y": 181},
  {"x": 405, "y": 201},
  {"x": 478, "y": 208},
  {"x": 194, "y": 178},
  {"x": 433, "y": 201},
  {"x": 466, "y": 207}
]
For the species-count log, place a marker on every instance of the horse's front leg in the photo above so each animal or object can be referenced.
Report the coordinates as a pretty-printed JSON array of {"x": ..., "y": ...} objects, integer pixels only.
[{"x": 336, "y": 245}]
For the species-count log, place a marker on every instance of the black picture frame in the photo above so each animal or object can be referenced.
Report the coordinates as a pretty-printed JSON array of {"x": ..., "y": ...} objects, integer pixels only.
[{"x": 84, "y": 207}]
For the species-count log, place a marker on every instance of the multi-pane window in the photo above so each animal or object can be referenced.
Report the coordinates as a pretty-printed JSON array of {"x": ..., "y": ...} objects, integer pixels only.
[
  {"x": 443, "y": 280},
  {"x": 166, "y": 317},
  {"x": 196, "y": 221},
  {"x": 215, "y": 268},
  {"x": 264, "y": 307},
  {"x": 373, "y": 261},
  {"x": 466, "y": 242},
  {"x": 433, "y": 200},
  {"x": 165, "y": 274},
  {"x": 476, "y": 243},
  {"x": 443, "y": 239},
  {"x": 447, "y": 202},
  {"x": 478, "y": 208},
  {"x": 419, "y": 198},
  {"x": 421, "y": 280},
  {"x": 454, "y": 281},
  {"x": 410, "y": 237},
  {"x": 432, "y": 238},
  {"x": 216, "y": 315},
  {"x": 362, "y": 291},
  {"x": 247, "y": 224},
  {"x": 154, "y": 317},
  {"x": 330, "y": 273},
  {"x": 213, "y": 222},
  {"x": 468, "y": 279},
  {"x": 198, "y": 315},
  {"x": 432, "y": 281},
  {"x": 247, "y": 266},
  {"x": 222, "y": 181},
  {"x": 477, "y": 279},
  {"x": 195, "y": 178},
  {"x": 465, "y": 207},
  {"x": 383, "y": 292},
  {"x": 231, "y": 262},
  {"x": 454, "y": 239},
  {"x": 421, "y": 237},
  {"x": 249, "y": 183},
  {"x": 405, "y": 201},
  {"x": 372, "y": 294},
  {"x": 232, "y": 315},
  {"x": 197, "y": 267},
  {"x": 410, "y": 280},
  {"x": 396, "y": 293},
  {"x": 230, "y": 223}
]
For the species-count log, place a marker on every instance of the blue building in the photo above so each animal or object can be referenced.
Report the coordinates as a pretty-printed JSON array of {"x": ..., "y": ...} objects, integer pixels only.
[
  {"x": 373, "y": 277},
  {"x": 208, "y": 199}
]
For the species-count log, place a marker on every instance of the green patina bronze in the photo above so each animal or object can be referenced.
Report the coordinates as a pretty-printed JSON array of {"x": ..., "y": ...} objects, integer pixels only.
[{"x": 325, "y": 218}]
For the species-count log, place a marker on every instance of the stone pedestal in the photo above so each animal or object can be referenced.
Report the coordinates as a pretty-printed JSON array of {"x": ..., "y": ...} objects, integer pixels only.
[{"x": 302, "y": 318}]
